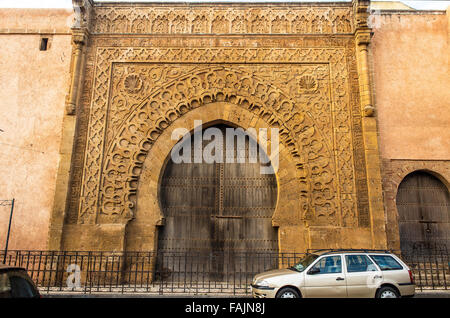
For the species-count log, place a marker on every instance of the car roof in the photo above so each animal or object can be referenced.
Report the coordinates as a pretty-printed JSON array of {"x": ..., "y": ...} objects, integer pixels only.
[
  {"x": 348, "y": 251},
  {"x": 4, "y": 267}
]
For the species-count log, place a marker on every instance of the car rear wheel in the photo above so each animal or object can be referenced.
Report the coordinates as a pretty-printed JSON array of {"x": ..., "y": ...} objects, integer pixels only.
[
  {"x": 387, "y": 292},
  {"x": 288, "y": 293}
]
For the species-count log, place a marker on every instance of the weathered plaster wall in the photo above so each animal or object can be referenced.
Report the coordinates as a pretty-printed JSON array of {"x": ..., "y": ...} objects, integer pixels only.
[
  {"x": 412, "y": 85},
  {"x": 410, "y": 55},
  {"x": 33, "y": 85}
]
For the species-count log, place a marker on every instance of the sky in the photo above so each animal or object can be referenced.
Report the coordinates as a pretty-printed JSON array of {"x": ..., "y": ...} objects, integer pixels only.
[{"x": 417, "y": 4}]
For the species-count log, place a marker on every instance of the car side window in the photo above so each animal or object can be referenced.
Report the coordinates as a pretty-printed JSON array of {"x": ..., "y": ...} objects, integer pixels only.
[
  {"x": 386, "y": 262},
  {"x": 21, "y": 288},
  {"x": 359, "y": 263},
  {"x": 329, "y": 264}
]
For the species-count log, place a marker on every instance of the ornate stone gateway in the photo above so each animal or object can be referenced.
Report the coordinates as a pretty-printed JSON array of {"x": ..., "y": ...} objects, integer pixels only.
[{"x": 142, "y": 71}]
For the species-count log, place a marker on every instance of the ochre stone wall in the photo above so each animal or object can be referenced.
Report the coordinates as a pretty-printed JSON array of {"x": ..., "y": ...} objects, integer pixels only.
[
  {"x": 410, "y": 54},
  {"x": 83, "y": 155},
  {"x": 33, "y": 86},
  {"x": 305, "y": 54}
]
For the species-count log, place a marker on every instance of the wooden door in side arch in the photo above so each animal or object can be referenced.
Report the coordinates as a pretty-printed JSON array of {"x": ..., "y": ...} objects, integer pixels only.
[{"x": 423, "y": 204}]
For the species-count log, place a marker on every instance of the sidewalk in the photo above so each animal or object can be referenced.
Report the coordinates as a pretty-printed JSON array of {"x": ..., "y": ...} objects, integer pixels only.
[{"x": 433, "y": 293}]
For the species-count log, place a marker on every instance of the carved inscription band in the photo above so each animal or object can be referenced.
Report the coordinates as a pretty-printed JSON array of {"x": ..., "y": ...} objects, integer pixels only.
[{"x": 220, "y": 20}]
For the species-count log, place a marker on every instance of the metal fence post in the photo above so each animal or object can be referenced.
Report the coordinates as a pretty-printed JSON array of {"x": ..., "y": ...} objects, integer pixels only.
[{"x": 4, "y": 203}]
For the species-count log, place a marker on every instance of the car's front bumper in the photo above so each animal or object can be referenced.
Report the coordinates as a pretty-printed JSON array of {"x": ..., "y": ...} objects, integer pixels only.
[{"x": 263, "y": 292}]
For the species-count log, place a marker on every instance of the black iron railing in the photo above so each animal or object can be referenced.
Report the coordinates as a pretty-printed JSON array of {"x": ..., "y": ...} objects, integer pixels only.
[
  {"x": 147, "y": 272},
  {"x": 431, "y": 269},
  {"x": 181, "y": 272}
]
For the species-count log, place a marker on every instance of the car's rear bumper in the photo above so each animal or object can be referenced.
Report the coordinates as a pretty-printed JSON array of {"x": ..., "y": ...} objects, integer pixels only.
[{"x": 407, "y": 290}]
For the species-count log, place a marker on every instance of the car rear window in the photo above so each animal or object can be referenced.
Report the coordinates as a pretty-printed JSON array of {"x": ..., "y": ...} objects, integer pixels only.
[{"x": 386, "y": 262}]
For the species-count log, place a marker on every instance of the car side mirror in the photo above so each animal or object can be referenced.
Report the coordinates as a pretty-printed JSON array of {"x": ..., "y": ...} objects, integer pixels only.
[{"x": 313, "y": 271}]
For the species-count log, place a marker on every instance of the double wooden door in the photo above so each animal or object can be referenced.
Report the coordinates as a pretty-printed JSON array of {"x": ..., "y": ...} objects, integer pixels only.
[{"x": 217, "y": 215}]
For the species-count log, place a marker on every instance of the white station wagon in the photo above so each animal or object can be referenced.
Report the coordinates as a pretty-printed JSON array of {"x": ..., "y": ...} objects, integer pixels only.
[{"x": 339, "y": 273}]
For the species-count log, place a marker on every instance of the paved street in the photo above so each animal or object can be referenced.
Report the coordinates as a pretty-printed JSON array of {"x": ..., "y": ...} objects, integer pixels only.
[{"x": 419, "y": 294}]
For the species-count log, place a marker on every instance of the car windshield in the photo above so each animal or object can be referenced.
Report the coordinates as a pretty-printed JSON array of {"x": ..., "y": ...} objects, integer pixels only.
[{"x": 304, "y": 262}]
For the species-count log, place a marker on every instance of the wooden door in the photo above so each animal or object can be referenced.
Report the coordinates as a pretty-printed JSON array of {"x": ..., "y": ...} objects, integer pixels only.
[
  {"x": 423, "y": 205},
  {"x": 217, "y": 216}
]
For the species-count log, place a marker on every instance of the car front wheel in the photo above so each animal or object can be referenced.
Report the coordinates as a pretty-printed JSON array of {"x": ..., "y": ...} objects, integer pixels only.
[
  {"x": 288, "y": 293},
  {"x": 387, "y": 292}
]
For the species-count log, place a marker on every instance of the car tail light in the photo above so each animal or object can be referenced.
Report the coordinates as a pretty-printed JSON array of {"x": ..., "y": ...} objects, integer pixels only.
[{"x": 411, "y": 276}]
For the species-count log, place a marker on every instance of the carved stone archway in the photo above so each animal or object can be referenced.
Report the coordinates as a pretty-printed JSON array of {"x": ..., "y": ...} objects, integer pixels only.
[
  {"x": 149, "y": 214},
  {"x": 208, "y": 94},
  {"x": 139, "y": 132}
]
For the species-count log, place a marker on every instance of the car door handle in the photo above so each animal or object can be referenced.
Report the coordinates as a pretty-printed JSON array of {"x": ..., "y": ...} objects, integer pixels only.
[
  {"x": 339, "y": 278},
  {"x": 377, "y": 276}
]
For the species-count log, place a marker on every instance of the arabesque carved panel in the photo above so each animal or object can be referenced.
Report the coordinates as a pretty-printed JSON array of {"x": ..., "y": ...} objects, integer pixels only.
[{"x": 139, "y": 91}]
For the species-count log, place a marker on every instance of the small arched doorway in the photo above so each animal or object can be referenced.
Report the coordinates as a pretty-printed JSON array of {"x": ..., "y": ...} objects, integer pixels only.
[
  {"x": 423, "y": 204},
  {"x": 218, "y": 216}
]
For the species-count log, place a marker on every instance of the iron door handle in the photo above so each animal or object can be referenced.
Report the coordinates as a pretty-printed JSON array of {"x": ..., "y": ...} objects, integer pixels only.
[{"x": 339, "y": 278}]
